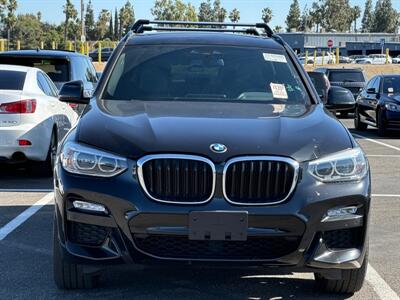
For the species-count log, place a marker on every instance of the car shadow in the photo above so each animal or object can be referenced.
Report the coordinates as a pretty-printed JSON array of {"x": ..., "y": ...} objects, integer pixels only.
[{"x": 22, "y": 177}]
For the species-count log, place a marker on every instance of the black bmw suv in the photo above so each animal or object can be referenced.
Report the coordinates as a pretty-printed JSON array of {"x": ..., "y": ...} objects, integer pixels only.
[{"x": 209, "y": 145}]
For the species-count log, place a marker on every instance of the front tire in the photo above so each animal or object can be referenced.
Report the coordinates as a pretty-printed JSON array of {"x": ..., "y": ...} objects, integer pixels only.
[
  {"x": 351, "y": 282},
  {"x": 357, "y": 122},
  {"x": 68, "y": 275},
  {"x": 381, "y": 124}
]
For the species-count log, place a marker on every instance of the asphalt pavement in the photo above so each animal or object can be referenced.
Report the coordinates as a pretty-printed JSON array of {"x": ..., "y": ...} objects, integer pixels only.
[{"x": 26, "y": 212}]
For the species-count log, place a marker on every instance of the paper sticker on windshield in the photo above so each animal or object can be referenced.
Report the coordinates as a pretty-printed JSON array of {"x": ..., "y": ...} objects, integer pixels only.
[
  {"x": 275, "y": 57},
  {"x": 390, "y": 90},
  {"x": 278, "y": 91}
]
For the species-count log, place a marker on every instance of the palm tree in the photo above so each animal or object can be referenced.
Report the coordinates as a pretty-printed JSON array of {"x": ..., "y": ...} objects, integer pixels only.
[{"x": 267, "y": 15}]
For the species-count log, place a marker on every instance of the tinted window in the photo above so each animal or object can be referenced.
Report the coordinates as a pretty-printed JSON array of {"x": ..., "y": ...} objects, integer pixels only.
[
  {"x": 391, "y": 85},
  {"x": 44, "y": 85},
  {"x": 318, "y": 79},
  {"x": 84, "y": 70},
  {"x": 377, "y": 84},
  {"x": 56, "y": 69},
  {"x": 205, "y": 73},
  {"x": 346, "y": 76},
  {"x": 12, "y": 80}
]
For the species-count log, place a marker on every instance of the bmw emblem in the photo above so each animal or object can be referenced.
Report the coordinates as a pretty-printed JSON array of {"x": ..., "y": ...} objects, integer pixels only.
[{"x": 218, "y": 148}]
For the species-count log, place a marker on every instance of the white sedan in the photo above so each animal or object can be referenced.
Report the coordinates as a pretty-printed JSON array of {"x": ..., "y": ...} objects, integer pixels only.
[
  {"x": 374, "y": 59},
  {"x": 32, "y": 119}
]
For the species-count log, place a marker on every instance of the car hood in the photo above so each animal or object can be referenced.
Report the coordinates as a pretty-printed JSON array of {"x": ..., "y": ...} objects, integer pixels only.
[
  {"x": 136, "y": 128},
  {"x": 393, "y": 97}
]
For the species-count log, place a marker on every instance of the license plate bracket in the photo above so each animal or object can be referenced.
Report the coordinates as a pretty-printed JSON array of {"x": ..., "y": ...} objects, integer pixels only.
[{"x": 218, "y": 226}]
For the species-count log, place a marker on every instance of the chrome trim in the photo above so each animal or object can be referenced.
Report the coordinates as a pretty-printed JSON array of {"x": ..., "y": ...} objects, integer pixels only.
[
  {"x": 147, "y": 158},
  {"x": 290, "y": 161}
]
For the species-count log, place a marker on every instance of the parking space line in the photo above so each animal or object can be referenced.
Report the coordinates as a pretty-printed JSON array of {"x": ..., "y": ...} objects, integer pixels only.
[
  {"x": 386, "y": 195},
  {"x": 25, "y": 215},
  {"x": 383, "y": 155},
  {"x": 379, "y": 285},
  {"x": 26, "y": 190},
  {"x": 376, "y": 142}
]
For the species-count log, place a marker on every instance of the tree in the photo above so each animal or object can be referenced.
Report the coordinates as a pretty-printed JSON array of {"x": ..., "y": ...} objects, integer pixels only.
[
  {"x": 386, "y": 18},
  {"x": 10, "y": 18},
  {"x": 126, "y": 17},
  {"x": 219, "y": 13},
  {"x": 71, "y": 15},
  {"x": 317, "y": 14},
  {"x": 293, "y": 18},
  {"x": 234, "y": 16},
  {"x": 306, "y": 20},
  {"x": 367, "y": 19},
  {"x": 90, "y": 22},
  {"x": 337, "y": 16},
  {"x": 116, "y": 26},
  {"x": 174, "y": 10},
  {"x": 205, "y": 12},
  {"x": 102, "y": 24},
  {"x": 111, "y": 28},
  {"x": 28, "y": 29},
  {"x": 278, "y": 28},
  {"x": 266, "y": 15},
  {"x": 356, "y": 13}
]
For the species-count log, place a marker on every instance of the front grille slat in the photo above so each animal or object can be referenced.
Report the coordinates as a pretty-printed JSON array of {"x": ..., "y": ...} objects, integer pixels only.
[
  {"x": 261, "y": 181},
  {"x": 186, "y": 180}
]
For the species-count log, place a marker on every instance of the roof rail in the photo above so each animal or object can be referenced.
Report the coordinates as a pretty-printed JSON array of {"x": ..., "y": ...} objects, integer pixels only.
[{"x": 140, "y": 26}]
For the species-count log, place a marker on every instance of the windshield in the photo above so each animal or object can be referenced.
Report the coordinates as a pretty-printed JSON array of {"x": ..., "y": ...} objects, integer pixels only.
[
  {"x": 391, "y": 85},
  {"x": 56, "y": 69},
  {"x": 12, "y": 80},
  {"x": 205, "y": 73},
  {"x": 346, "y": 76}
]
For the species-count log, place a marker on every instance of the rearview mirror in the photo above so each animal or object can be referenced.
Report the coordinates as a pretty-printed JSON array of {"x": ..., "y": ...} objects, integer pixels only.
[
  {"x": 72, "y": 92},
  {"x": 340, "y": 99}
]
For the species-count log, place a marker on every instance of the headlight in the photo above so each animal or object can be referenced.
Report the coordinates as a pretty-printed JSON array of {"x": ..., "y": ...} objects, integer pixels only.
[
  {"x": 392, "y": 107},
  {"x": 84, "y": 160},
  {"x": 348, "y": 165}
]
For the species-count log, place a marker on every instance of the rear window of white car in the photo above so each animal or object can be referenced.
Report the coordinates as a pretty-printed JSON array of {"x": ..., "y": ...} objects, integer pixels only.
[{"x": 12, "y": 80}]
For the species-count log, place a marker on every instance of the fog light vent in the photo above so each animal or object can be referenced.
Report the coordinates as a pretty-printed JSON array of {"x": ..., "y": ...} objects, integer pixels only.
[
  {"x": 341, "y": 213},
  {"x": 88, "y": 206}
]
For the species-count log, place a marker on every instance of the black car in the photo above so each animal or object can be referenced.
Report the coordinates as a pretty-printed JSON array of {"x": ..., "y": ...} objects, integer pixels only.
[
  {"x": 105, "y": 54},
  {"x": 351, "y": 79},
  {"x": 378, "y": 104},
  {"x": 209, "y": 148}
]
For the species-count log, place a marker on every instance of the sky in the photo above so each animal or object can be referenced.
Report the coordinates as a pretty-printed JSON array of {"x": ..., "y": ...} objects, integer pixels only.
[{"x": 250, "y": 10}]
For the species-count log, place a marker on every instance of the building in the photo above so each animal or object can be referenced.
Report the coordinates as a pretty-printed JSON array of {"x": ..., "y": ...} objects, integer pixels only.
[{"x": 348, "y": 43}]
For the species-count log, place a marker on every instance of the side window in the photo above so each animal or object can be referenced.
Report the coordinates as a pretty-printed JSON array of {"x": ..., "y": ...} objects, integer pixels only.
[
  {"x": 377, "y": 84},
  {"x": 44, "y": 85},
  {"x": 371, "y": 83},
  {"x": 84, "y": 71},
  {"x": 52, "y": 86}
]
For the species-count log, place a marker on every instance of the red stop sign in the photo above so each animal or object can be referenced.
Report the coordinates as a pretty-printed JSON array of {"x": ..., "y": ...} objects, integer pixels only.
[{"x": 330, "y": 43}]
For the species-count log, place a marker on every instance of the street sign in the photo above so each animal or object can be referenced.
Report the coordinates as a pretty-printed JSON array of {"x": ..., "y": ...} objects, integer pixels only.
[
  {"x": 330, "y": 43},
  {"x": 382, "y": 43}
]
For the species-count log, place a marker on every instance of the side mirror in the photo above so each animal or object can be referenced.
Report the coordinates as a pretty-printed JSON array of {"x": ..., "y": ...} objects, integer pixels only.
[
  {"x": 340, "y": 99},
  {"x": 72, "y": 92},
  {"x": 371, "y": 91}
]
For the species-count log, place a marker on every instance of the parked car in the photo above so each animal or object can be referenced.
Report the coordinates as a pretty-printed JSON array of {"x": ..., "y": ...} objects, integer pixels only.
[
  {"x": 105, "y": 54},
  {"x": 345, "y": 60},
  {"x": 374, "y": 59},
  {"x": 352, "y": 79},
  {"x": 328, "y": 58},
  {"x": 32, "y": 120},
  {"x": 379, "y": 104},
  {"x": 355, "y": 57},
  {"x": 60, "y": 66},
  {"x": 396, "y": 60},
  {"x": 214, "y": 149}
]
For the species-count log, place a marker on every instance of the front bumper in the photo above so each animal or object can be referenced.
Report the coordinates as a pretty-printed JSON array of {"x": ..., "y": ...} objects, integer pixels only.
[{"x": 139, "y": 230}]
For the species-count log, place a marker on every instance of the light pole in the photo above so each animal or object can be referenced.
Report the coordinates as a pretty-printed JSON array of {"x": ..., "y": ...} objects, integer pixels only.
[{"x": 83, "y": 34}]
